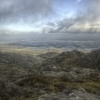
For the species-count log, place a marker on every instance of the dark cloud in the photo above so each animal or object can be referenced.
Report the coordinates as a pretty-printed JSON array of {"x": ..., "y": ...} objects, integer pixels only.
[
  {"x": 16, "y": 10},
  {"x": 85, "y": 20},
  {"x": 51, "y": 24}
]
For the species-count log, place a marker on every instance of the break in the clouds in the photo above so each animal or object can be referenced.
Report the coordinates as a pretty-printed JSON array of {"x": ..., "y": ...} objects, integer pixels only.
[
  {"x": 85, "y": 20},
  {"x": 68, "y": 16}
]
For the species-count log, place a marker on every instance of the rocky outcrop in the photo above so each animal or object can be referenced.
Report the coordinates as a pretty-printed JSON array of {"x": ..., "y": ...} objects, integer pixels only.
[
  {"x": 9, "y": 90},
  {"x": 79, "y": 94},
  {"x": 70, "y": 59}
]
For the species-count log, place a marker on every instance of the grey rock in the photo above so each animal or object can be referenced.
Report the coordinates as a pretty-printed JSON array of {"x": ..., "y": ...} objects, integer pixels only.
[{"x": 79, "y": 94}]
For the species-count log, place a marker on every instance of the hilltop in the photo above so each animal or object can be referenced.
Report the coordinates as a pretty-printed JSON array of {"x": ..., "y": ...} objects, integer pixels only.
[{"x": 50, "y": 75}]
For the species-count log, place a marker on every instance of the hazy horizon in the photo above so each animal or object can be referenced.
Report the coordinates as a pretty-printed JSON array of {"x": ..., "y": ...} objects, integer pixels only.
[{"x": 58, "y": 23}]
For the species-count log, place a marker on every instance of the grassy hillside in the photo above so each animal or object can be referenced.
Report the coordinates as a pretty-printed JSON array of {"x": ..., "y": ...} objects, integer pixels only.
[
  {"x": 70, "y": 59},
  {"x": 26, "y": 77}
]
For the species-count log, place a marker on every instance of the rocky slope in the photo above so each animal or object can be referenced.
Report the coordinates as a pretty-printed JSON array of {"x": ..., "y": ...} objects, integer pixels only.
[
  {"x": 70, "y": 59},
  {"x": 50, "y": 76},
  {"x": 79, "y": 94}
]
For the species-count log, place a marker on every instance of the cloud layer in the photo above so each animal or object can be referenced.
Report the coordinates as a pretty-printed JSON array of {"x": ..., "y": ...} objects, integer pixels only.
[
  {"x": 86, "y": 20},
  {"x": 26, "y": 10},
  {"x": 68, "y": 16}
]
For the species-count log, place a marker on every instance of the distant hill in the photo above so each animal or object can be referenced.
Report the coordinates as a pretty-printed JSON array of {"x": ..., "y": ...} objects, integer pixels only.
[
  {"x": 70, "y": 59},
  {"x": 15, "y": 59},
  {"x": 48, "y": 55}
]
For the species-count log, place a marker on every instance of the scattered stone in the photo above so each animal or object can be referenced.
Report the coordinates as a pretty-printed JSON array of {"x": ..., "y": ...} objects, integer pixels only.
[{"x": 79, "y": 94}]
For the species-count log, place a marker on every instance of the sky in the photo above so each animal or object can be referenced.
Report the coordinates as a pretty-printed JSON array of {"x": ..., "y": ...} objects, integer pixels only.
[{"x": 50, "y": 16}]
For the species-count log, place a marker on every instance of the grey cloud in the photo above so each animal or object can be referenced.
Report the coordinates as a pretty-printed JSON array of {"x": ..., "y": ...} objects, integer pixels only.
[
  {"x": 87, "y": 21},
  {"x": 51, "y": 24},
  {"x": 78, "y": 26},
  {"x": 13, "y": 10}
]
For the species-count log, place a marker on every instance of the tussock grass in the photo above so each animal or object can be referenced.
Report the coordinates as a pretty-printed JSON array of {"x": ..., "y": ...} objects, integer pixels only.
[{"x": 56, "y": 84}]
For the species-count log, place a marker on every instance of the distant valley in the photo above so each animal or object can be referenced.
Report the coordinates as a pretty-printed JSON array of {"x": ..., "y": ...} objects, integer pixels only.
[{"x": 64, "y": 41}]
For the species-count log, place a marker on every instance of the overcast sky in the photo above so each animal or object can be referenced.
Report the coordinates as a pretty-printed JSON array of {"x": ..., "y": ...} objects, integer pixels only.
[{"x": 53, "y": 16}]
